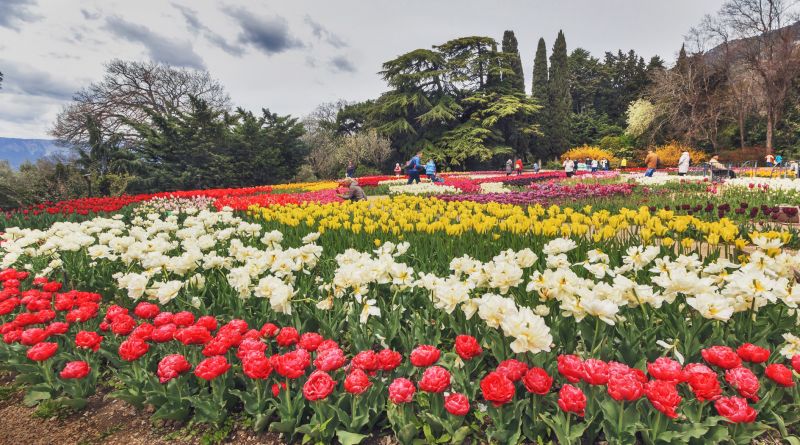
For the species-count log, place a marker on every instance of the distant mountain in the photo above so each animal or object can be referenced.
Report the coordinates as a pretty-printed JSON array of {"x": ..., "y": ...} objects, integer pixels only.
[{"x": 17, "y": 151}]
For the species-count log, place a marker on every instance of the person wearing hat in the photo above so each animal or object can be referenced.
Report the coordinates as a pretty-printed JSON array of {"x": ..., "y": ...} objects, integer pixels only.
[
  {"x": 352, "y": 192},
  {"x": 683, "y": 164}
]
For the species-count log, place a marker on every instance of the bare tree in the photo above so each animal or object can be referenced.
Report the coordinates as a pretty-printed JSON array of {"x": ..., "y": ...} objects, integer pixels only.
[
  {"x": 127, "y": 90},
  {"x": 762, "y": 36},
  {"x": 690, "y": 100}
]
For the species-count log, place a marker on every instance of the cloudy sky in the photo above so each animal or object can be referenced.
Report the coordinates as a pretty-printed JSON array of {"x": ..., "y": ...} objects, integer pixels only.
[{"x": 290, "y": 56}]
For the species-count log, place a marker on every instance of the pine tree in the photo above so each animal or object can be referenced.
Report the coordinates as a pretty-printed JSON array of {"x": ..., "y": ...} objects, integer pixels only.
[
  {"x": 515, "y": 81},
  {"x": 560, "y": 100}
]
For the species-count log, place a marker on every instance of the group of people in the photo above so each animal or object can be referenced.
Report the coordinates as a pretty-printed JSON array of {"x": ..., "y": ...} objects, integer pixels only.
[
  {"x": 414, "y": 168},
  {"x": 588, "y": 164}
]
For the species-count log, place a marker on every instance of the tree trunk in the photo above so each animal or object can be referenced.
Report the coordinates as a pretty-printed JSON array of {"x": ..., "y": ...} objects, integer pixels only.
[
  {"x": 770, "y": 125},
  {"x": 741, "y": 129}
]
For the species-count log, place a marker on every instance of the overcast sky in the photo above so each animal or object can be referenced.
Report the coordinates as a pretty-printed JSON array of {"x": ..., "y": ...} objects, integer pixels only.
[{"x": 291, "y": 55}]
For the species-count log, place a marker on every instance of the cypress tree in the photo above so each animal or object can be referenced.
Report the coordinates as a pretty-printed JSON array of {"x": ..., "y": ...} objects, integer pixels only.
[
  {"x": 683, "y": 61},
  {"x": 539, "y": 90},
  {"x": 515, "y": 81},
  {"x": 560, "y": 100},
  {"x": 539, "y": 93}
]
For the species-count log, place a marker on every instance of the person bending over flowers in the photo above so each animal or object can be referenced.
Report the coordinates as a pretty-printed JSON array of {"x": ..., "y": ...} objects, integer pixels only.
[{"x": 352, "y": 191}]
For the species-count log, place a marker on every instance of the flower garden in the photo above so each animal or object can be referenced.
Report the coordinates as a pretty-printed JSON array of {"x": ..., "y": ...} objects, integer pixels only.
[{"x": 487, "y": 308}]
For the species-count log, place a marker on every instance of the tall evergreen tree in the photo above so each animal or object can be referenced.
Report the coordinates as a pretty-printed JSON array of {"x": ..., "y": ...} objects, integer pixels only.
[
  {"x": 683, "y": 61},
  {"x": 560, "y": 99},
  {"x": 514, "y": 81},
  {"x": 539, "y": 143},
  {"x": 539, "y": 90}
]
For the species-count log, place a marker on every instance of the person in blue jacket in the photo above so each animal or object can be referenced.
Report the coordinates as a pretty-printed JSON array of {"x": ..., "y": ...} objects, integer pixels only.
[
  {"x": 413, "y": 168},
  {"x": 430, "y": 170}
]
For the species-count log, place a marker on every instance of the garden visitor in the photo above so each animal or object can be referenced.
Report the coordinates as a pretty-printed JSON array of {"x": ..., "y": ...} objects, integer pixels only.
[
  {"x": 683, "y": 164},
  {"x": 397, "y": 170},
  {"x": 519, "y": 166},
  {"x": 794, "y": 166},
  {"x": 719, "y": 169},
  {"x": 353, "y": 191},
  {"x": 430, "y": 170},
  {"x": 569, "y": 167},
  {"x": 413, "y": 168},
  {"x": 651, "y": 162},
  {"x": 509, "y": 166},
  {"x": 535, "y": 167},
  {"x": 623, "y": 163},
  {"x": 778, "y": 160},
  {"x": 351, "y": 170},
  {"x": 770, "y": 159},
  {"x": 594, "y": 165},
  {"x": 604, "y": 164}
]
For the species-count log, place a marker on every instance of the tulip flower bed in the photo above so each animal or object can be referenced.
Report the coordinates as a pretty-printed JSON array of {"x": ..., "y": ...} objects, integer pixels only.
[
  {"x": 580, "y": 315},
  {"x": 547, "y": 194}
]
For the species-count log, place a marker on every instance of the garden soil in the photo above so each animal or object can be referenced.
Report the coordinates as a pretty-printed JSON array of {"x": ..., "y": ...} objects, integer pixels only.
[{"x": 113, "y": 422}]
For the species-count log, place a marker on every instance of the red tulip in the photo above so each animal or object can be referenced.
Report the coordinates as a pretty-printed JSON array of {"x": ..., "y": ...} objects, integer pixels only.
[
  {"x": 571, "y": 367},
  {"x": 212, "y": 367},
  {"x": 537, "y": 381},
  {"x": 625, "y": 387},
  {"x": 88, "y": 340},
  {"x": 497, "y": 388},
  {"x": 318, "y": 386},
  {"x": 595, "y": 372},
  {"x": 424, "y": 355},
  {"x": 665, "y": 368},
  {"x": 330, "y": 360},
  {"x": 780, "y": 374},
  {"x": 735, "y": 409},
  {"x": 467, "y": 347},
  {"x": 389, "y": 359},
  {"x": 42, "y": 351},
  {"x": 256, "y": 366},
  {"x": 721, "y": 356},
  {"x": 752, "y": 353},
  {"x": 172, "y": 366},
  {"x": 572, "y": 400},
  {"x": 664, "y": 396},
  {"x": 401, "y": 390},
  {"x": 435, "y": 379},
  {"x": 357, "y": 381},
  {"x": 456, "y": 404},
  {"x": 513, "y": 369},
  {"x": 287, "y": 336},
  {"x": 132, "y": 348},
  {"x": 744, "y": 381}
]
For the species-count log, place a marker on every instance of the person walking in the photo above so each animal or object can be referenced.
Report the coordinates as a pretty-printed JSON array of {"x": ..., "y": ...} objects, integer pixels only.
[
  {"x": 351, "y": 170},
  {"x": 778, "y": 160},
  {"x": 623, "y": 163},
  {"x": 683, "y": 164},
  {"x": 594, "y": 165},
  {"x": 569, "y": 167},
  {"x": 519, "y": 166},
  {"x": 604, "y": 164},
  {"x": 509, "y": 166},
  {"x": 651, "y": 161},
  {"x": 352, "y": 192},
  {"x": 397, "y": 170},
  {"x": 770, "y": 160},
  {"x": 413, "y": 168},
  {"x": 430, "y": 170},
  {"x": 536, "y": 167}
]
